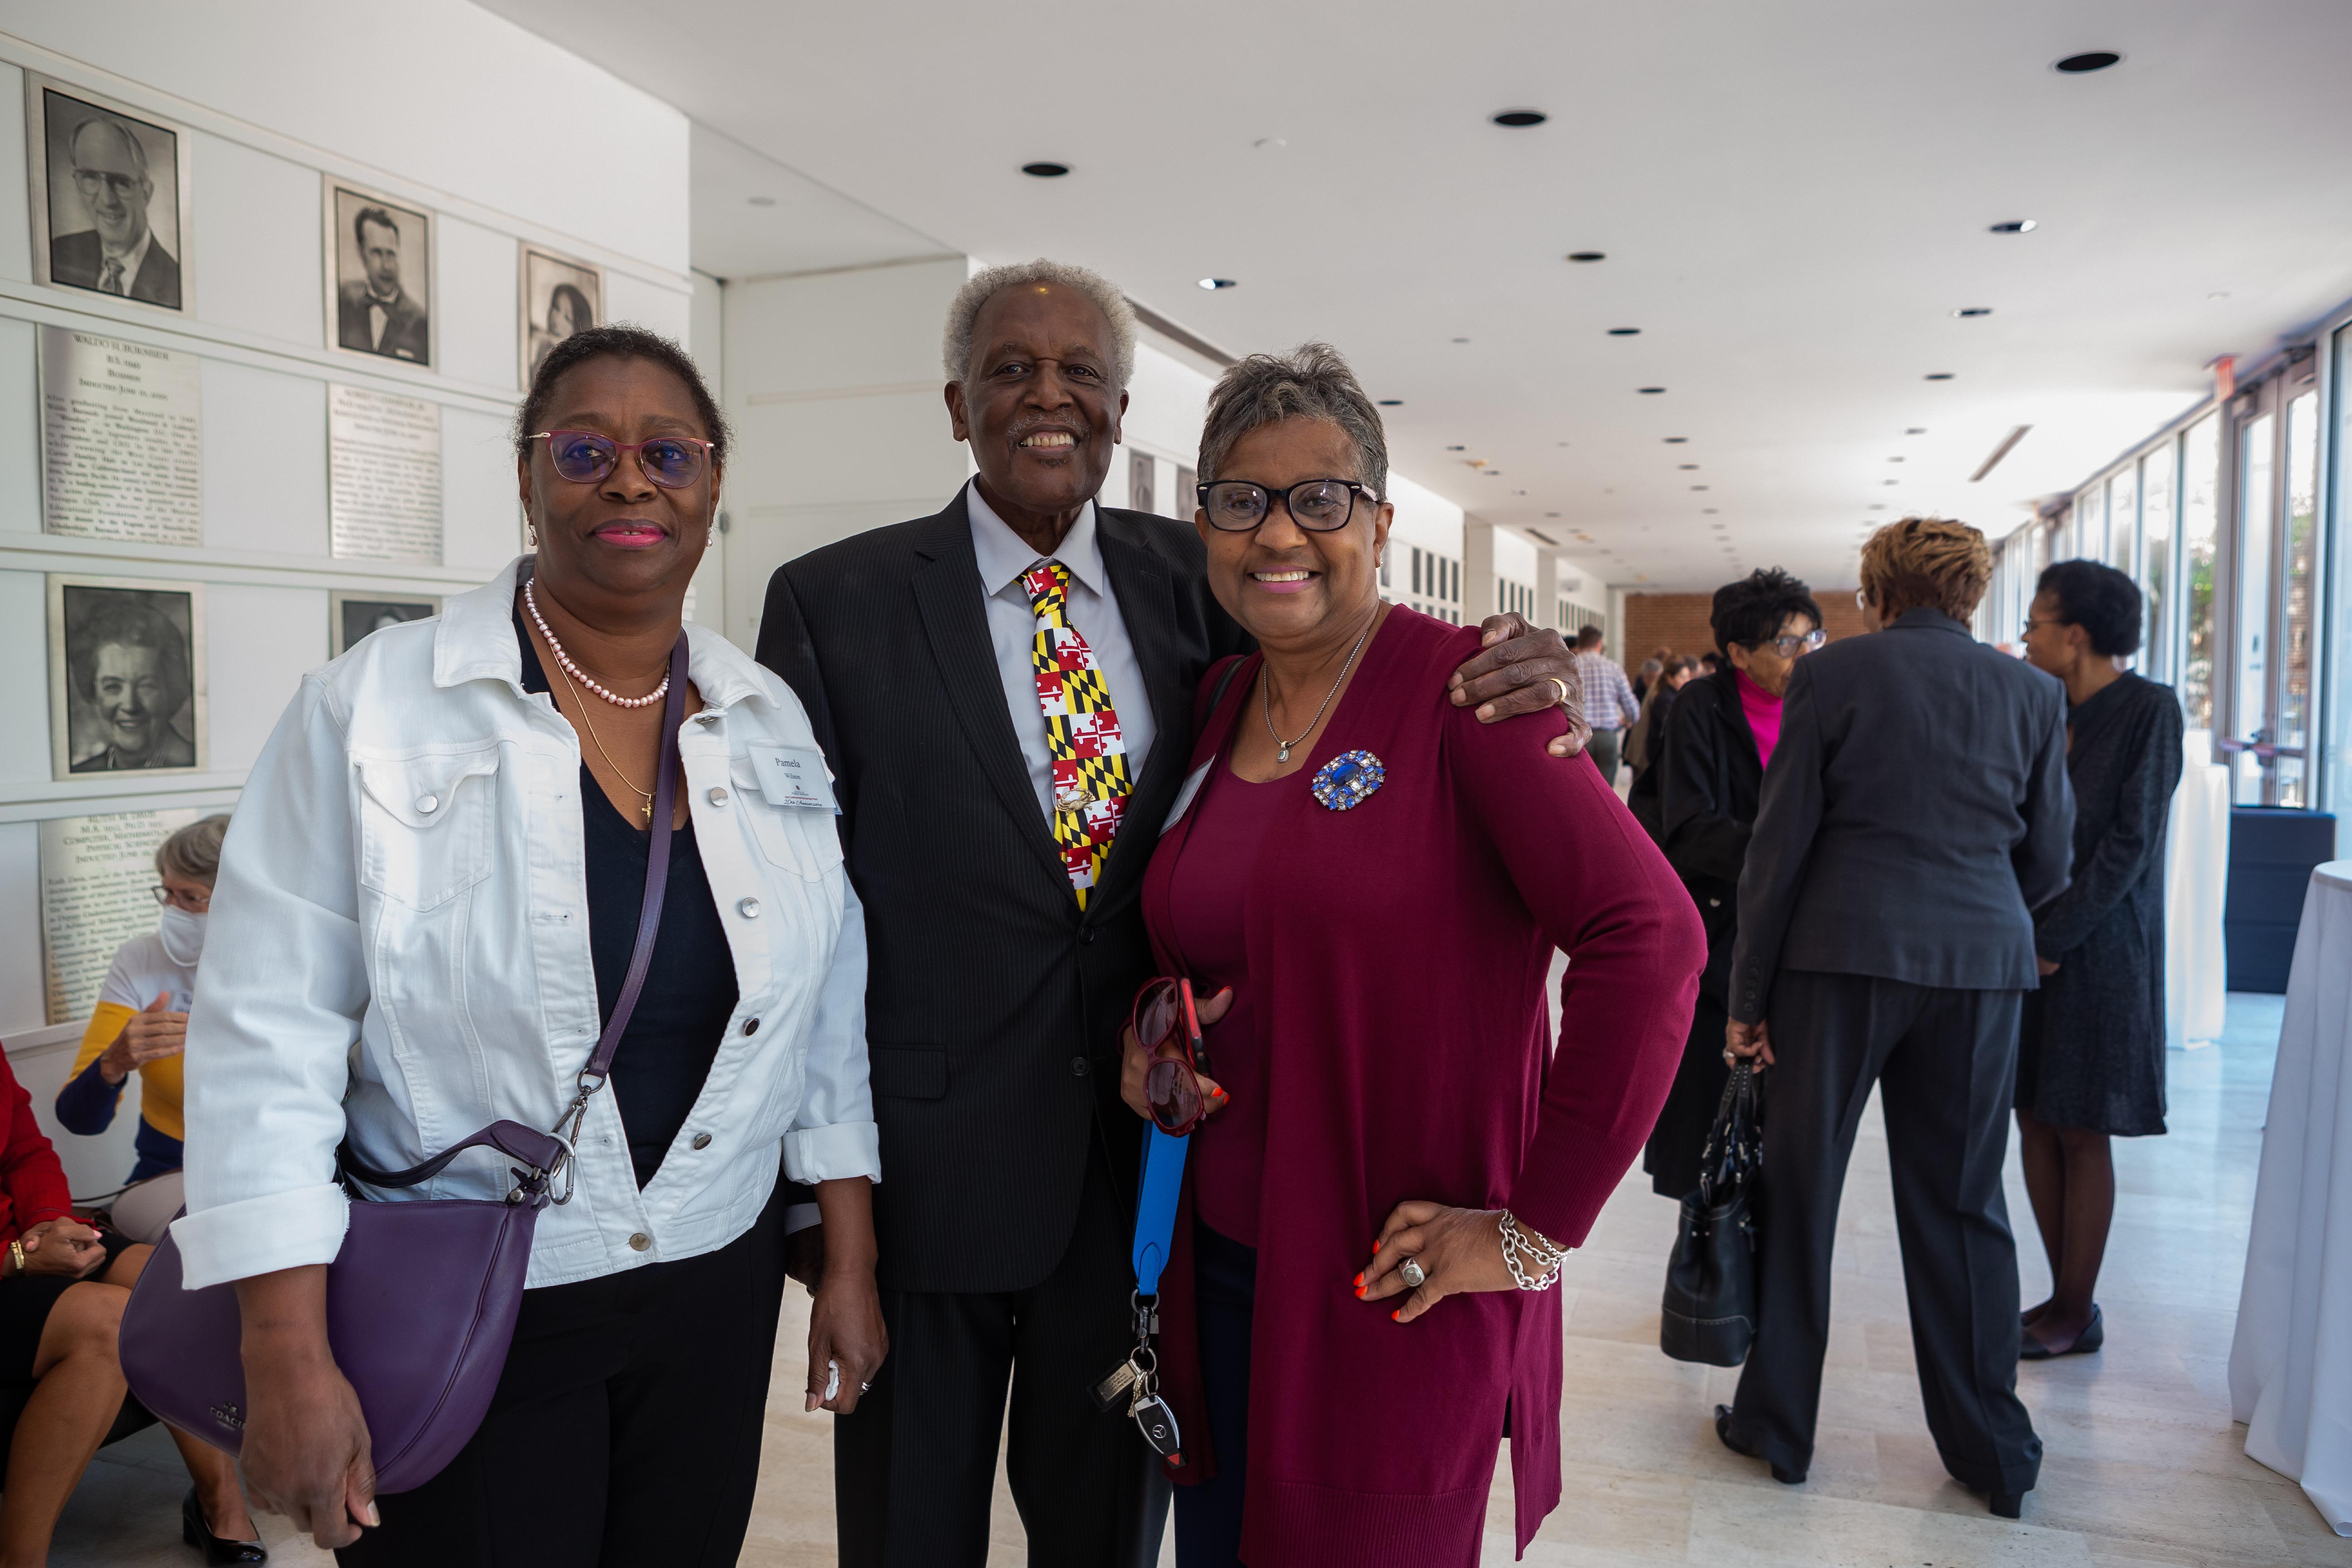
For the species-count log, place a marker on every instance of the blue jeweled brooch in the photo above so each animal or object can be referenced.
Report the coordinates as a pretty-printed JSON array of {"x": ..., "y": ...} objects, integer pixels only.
[{"x": 1348, "y": 780}]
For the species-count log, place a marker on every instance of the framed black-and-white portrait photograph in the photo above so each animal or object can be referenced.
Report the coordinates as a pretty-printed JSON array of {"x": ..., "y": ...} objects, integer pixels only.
[
  {"x": 560, "y": 296},
  {"x": 111, "y": 195},
  {"x": 378, "y": 274},
  {"x": 126, "y": 676},
  {"x": 353, "y": 614}
]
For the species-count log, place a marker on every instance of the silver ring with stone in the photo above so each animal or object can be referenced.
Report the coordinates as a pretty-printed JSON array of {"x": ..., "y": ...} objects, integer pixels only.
[{"x": 1412, "y": 1274}]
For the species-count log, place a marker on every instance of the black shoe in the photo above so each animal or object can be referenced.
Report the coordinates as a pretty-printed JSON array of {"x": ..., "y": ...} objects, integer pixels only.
[
  {"x": 2093, "y": 1335},
  {"x": 199, "y": 1534},
  {"x": 1782, "y": 1474},
  {"x": 2006, "y": 1505}
]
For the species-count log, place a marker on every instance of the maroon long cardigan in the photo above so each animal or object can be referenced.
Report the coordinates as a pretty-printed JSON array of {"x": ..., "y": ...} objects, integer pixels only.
[{"x": 1400, "y": 953}]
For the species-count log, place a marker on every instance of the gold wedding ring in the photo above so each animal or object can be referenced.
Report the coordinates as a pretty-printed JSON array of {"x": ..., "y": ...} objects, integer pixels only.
[{"x": 1556, "y": 681}]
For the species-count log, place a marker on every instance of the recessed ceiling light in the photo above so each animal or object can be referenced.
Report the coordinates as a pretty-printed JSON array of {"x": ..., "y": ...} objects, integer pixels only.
[
  {"x": 1878, "y": 506},
  {"x": 1552, "y": 514},
  {"x": 1559, "y": 443},
  {"x": 2219, "y": 294},
  {"x": 1520, "y": 119},
  {"x": 1461, "y": 339},
  {"x": 1706, "y": 511},
  {"x": 2094, "y": 60},
  {"x": 1698, "y": 487},
  {"x": 1915, "y": 430},
  {"x": 1587, "y": 256},
  {"x": 2016, "y": 225},
  {"x": 1046, "y": 171},
  {"x": 1457, "y": 449},
  {"x": 1893, "y": 459},
  {"x": 1967, "y": 310},
  {"x": 1677, "y": 441},
  {"x": 1890, "y": 481},
  {"x": 1687, "y": 467},
  {"x": 1940, "y": 375},
  {"x": 1624, "y": 331},
  {"x": 762, "y": 201},
  {"x": 1392, "y": 402},
  {"x": 1216, "y": 283},
  {"x": 1650, "y": 391}
]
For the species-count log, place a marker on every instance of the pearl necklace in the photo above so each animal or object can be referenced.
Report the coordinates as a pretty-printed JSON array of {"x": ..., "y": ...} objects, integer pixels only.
[{"x": 530, "y": 603}]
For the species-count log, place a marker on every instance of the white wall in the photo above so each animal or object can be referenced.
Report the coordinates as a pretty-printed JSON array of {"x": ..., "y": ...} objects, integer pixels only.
[
  {"x": 833, "y": 386},
  {"x": 501, "y": 135}
]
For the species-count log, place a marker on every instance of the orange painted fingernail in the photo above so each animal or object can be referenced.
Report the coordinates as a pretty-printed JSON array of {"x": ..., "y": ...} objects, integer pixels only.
[
  {"x": 1397, "y": 1316},
  {"x": 1375, "y": 1247},
  {"x": 1360, "y": 1281}
]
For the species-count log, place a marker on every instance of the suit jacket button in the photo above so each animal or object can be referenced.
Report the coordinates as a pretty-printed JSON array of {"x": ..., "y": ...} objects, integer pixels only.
[
  {"x": 1086, "y": 934},
  {"x": 1078, "y": 1068}
]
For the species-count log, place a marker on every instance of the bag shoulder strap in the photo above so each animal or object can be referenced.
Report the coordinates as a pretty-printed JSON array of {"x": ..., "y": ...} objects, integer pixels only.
[
  {"x": 544, "y": 1150},
  {"x": 1232, "y": 667}
]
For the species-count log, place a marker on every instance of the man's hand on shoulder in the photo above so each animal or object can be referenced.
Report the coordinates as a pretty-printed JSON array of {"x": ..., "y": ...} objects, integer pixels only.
[{"x": 1512, "y": 674}]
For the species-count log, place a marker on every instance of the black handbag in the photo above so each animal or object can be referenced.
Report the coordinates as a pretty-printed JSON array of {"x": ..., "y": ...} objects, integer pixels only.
[{"x": 1709, "y": 1314}]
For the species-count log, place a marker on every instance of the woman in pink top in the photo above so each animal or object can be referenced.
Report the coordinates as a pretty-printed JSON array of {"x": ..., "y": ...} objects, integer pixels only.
[{"x": 1357, "y": 1300}]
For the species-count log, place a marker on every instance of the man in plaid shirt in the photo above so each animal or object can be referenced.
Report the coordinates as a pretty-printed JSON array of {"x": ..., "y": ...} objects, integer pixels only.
[{"x": 1608, "y": 702}]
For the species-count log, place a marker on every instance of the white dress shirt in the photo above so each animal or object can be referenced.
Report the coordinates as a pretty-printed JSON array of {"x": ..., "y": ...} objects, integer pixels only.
[
  {"x": 1094, "y": 611},
  {"x": 398, "y": 948}
]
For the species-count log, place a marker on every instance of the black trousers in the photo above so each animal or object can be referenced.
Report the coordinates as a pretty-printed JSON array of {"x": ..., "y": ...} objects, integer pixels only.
[
  {"x": 1672, "y": 1154},
  {"x": 1942, "y": 1060},
  {"x": 625, "y": 1429},
  {"x": 915, "y": 1468},
  {"x": 1209, "y": 1516}
]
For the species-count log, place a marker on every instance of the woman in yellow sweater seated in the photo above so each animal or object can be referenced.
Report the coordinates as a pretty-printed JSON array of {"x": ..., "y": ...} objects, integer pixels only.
[{"x": 141, "y": 1025}]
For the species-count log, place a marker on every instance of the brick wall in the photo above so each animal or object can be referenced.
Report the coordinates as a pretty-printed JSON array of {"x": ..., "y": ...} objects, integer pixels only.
[{"x": 1678, "y": 621}]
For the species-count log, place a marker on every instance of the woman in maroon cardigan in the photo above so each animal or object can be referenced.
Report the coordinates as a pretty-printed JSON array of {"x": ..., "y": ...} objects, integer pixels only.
[{"x": 1367, "y": 885}]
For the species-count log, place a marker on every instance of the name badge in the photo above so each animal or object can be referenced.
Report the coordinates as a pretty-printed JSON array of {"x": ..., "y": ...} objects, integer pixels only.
[
  {"x": 1192, "y": 787},
  {"x": 793, "y": 775}
]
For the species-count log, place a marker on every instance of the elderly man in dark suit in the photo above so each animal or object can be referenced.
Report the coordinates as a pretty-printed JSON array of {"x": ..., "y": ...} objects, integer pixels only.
[
  {"x": 375, "y": 315},
  {"x": 998, "y": 821},
  {"x": 1915, "y": 811},
  {"x": 119, "y": 253}
]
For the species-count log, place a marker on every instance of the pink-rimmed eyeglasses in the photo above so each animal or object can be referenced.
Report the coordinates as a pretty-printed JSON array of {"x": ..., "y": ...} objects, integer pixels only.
[{"x": 672, "y": 462}]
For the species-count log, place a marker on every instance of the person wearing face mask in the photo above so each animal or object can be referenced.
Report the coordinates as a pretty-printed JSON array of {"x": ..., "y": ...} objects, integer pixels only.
[
  {"x": 140, "y": 1024},
  {"x": 1718, "y": 735}
]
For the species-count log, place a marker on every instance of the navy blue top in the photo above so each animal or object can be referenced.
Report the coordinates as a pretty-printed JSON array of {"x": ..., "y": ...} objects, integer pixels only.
[
  {"x": 86, "y": 1106},
  {"x": 690, "y": 992}
]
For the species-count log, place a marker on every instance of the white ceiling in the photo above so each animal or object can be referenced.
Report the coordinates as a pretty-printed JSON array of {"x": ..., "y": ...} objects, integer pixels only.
[{"x": 1793, "y": 197}]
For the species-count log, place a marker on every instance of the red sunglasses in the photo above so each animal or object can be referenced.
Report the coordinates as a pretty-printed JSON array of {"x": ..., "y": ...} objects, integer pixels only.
[{"x": 1164, "y": 1015}]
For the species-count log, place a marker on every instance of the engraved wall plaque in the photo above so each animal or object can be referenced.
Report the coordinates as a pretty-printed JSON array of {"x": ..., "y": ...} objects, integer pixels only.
[
  {"x": 95, "y": 875},
  {"x": 385, "y": 467},
  {"x": 120, "y": 455}
]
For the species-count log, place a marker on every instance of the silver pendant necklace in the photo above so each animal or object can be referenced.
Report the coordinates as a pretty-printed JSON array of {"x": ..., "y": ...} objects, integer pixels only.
[{"x": 1266, "y": 703}]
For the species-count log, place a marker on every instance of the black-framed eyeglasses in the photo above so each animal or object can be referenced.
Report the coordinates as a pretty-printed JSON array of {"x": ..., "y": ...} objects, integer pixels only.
[
  {"x": 672, "y": 462},
  {"x": 1790, "y": 646},
  {"x": 1319, "y": 506}
]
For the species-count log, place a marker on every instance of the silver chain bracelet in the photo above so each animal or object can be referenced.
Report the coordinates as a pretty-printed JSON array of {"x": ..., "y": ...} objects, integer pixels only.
[{"x": 1545, "y": 1254}]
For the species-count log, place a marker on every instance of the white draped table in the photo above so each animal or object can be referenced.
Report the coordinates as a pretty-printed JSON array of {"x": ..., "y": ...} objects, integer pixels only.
[
  {"x": 2195, "y": 886},
  {"x": 2290, "y": 1364}
]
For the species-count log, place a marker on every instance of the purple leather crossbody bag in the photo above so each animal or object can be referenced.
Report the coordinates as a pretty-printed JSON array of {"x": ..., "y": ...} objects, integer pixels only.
[{"x": 422, "y": 1298}]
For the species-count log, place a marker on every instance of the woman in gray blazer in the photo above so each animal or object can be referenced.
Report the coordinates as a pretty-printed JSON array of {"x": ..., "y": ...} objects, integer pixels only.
[{"x": 1915, "y": 813}]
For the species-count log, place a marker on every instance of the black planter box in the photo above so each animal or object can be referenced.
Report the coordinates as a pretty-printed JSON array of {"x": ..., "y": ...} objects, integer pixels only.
[{"x": 2271, "y": 851}]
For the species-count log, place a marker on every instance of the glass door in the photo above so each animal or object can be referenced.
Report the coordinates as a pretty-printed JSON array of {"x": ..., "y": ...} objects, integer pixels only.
[{"x": 2273, "y": 628}]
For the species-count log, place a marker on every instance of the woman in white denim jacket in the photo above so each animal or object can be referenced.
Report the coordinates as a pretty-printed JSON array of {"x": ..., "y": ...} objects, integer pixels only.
[{"x": 407, "y": 942}]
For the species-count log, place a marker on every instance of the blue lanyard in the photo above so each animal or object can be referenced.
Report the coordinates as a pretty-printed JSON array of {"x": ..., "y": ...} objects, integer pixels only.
[{"x": 1155, "y": 1206}]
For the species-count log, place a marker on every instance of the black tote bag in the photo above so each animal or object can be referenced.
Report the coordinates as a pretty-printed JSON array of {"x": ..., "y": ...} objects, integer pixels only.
[{"x": 1710, "y": 1313}]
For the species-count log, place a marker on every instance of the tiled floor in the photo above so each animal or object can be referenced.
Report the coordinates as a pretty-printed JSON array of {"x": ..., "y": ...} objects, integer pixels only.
[{"x": 2143, "y": 1467}]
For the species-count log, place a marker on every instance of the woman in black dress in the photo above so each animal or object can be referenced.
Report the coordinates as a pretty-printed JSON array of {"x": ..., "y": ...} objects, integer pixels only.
[
  {"x": 1711, "y": 770},
  {"x": 2090, "y": 1064}
]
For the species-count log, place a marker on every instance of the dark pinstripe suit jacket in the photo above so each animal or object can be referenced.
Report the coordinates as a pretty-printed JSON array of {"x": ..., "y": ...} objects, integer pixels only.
[{"x": 993, "y": 1007}]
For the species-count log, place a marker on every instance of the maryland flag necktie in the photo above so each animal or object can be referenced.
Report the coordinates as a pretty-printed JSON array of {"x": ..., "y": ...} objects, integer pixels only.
[{"x": 1090, "y": 778}]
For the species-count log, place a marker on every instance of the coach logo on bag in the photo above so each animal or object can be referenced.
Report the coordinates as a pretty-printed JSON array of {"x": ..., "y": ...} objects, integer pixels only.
[{"x": 226, "y": 1414}]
